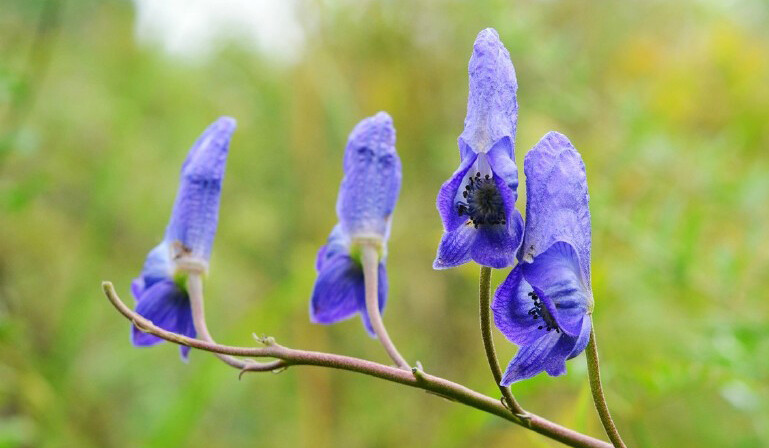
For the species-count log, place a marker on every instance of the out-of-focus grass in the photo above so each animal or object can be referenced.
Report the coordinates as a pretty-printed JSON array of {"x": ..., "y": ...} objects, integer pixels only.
[{"x": 667, "y": 101}]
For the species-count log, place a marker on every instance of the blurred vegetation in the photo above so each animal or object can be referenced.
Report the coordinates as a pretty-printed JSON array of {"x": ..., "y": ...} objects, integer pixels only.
[{"x": 667, "y": 101}]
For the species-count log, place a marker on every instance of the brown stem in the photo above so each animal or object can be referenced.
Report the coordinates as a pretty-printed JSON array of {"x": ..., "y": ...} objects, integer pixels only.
[{"x": 414, "y": 378}]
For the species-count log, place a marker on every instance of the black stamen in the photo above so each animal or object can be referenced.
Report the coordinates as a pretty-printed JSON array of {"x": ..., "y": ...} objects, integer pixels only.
[
  {"x": 484, "y": 204},
  {"x": 540, "y": 310}
]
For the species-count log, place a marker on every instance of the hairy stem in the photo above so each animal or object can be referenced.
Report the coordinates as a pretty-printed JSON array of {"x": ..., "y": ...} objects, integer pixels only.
[
  {"x": 414, "y": 378},
  {"x": 594, "y": 373},
  {"x": 370, "y": 260},
  {"x": 488, "y": 342},
  {"x": 195, "y": 292}
]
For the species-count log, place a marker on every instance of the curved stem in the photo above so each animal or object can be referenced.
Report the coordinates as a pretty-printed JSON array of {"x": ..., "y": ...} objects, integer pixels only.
[
  {"x": 594, "y": 373},
  {"x": 370, "y": 261},
  {"x": 414, "y": 378},
  {"x": 195, "y": 292},
  {"x": 484, "y": 296}
]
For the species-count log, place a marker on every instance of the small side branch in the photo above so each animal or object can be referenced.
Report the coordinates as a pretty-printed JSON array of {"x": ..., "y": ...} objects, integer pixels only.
[
  {"x": 195, "y": 292},
  {"x": 370, "y": 260},
  {"x": 440, "y": 386}
]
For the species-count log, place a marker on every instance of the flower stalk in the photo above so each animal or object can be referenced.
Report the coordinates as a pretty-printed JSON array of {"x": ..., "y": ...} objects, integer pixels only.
[
  {"x": 594, "y": 375},
  {"x": 488, "y": 342},
  {"x": 370, "y": 261}
]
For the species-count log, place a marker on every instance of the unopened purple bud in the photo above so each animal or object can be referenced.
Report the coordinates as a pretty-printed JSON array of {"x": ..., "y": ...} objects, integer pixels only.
[
  {"x": 372, "y": 179},
  {"x": 195, "y": 215}
]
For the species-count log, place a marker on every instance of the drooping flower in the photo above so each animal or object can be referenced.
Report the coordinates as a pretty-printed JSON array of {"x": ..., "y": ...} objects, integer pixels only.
[
  {"x": 367, "y": 197},
  {"x": 160, "y": 290},
  {"x": 477, "y": 204},
  {"x": 545, "y": 303}
]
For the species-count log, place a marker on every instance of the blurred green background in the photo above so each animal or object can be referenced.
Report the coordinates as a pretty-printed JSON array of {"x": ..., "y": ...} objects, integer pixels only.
[{"x": 668, "y": 103}]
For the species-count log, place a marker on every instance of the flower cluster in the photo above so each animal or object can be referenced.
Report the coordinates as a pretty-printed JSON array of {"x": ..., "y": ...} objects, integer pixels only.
[{"x": 545, "y": 303}]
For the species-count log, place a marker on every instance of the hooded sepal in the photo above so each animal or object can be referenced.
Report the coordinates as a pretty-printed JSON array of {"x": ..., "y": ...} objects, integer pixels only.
[
  {"x": 492, "y": 107},
  {"x": 557, "y": 200},
  {"x": 195, "y": 214},
  {"x": 372, "y": 179}
]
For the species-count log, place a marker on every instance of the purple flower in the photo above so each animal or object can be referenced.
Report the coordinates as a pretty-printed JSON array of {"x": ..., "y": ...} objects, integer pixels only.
[
  {"x": 367, "y": 197},
  {"x": 477, "y": 204},
  {"x": 545, "y": 303},
  {"x": 160, "y": 289}
]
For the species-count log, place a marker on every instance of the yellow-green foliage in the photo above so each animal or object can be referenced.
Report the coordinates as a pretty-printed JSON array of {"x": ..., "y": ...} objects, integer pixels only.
[{"x": 668, "y": 102}]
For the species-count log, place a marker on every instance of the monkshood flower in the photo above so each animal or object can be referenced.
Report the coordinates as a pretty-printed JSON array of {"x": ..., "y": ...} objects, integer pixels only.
[
  {"x": 160, "y": 290},
  {"x": 477, "y": 204},
  {"x": 367, "y": 197},
  {"x": 545, "y": 303}
]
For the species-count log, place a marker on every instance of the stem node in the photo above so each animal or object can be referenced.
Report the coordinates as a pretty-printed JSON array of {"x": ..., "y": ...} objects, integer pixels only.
[{"x": 418, "y": 373}]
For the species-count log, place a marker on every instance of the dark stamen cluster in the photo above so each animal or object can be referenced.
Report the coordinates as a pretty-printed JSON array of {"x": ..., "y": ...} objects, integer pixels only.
[
  {"x": 540, "y": 310},
  {"x": 484, "y": 204}
]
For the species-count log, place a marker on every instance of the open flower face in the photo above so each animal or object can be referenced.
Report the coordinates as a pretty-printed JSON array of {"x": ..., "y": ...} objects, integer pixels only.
[
  {"x": 544, "y": 305},
  {"x": 367, "y": 197},
  {"x": 477, "y": 204},
  {"x": 160, "y": 290}
]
